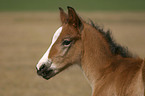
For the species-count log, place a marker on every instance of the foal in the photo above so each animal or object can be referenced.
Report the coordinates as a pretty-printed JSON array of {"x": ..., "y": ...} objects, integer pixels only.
[{"x": 109, "y": 67}]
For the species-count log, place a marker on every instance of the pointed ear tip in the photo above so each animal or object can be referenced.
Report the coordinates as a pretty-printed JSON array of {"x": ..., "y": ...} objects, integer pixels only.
[
  {"x": 69, "y": 7},
  {"x": 60, "y": 8}
]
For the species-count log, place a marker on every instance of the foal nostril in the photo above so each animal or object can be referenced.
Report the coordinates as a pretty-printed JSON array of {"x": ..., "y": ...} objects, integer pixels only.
[
  {"x": 43, "y": 67},
  {"x": 39, "y": 72},
  {"x": 42, "y": 70}
]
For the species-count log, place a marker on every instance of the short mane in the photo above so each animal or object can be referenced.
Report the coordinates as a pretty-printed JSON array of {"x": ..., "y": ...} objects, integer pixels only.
[{"x": 115, "y": 48}]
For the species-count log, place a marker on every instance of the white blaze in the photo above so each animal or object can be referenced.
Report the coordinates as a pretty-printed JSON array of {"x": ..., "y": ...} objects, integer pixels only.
[{"x": 44, "y": 59}]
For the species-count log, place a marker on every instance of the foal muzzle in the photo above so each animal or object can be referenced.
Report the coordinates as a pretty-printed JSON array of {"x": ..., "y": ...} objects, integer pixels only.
[{"x": 46, "y": 71}]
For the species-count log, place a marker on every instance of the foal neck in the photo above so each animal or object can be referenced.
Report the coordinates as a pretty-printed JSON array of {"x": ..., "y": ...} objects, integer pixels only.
[{"x": 96, "y": 53}]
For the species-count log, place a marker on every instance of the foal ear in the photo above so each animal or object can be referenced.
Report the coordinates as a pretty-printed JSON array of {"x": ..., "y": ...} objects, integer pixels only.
[
  {"x": 73, "y": 19},
  {"x": 63, "y": 16}
]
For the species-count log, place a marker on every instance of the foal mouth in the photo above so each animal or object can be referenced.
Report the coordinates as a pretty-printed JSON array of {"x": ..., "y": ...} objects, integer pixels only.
[{"x": 46, "y": 72}]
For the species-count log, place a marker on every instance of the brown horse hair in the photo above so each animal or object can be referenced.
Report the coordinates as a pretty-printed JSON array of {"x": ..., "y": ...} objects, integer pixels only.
[{"x": 115, "y": 48}]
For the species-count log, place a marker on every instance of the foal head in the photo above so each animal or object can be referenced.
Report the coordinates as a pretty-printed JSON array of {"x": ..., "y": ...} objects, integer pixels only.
[{"x": 65, "y": 49}]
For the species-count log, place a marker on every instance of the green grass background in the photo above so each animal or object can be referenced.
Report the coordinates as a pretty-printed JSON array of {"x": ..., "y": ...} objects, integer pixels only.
[{"x": 83, "y": 5}]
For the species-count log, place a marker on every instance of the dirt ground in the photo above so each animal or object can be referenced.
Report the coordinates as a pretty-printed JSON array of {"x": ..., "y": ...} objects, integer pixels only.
[{"x": 25, "y": 36}]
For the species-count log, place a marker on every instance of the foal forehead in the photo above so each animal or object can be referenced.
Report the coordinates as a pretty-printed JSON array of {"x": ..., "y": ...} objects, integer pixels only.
[
  {"x": 56, "y": 34},
  {"x": 63, "y": 31}
]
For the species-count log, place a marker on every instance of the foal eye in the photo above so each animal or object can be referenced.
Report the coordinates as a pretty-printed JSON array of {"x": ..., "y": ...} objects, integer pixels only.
[{"x": 66, "y": 42}]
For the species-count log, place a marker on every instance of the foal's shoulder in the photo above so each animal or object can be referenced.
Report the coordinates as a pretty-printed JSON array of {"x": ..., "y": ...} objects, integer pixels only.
[{"x": 128, "y": 63}]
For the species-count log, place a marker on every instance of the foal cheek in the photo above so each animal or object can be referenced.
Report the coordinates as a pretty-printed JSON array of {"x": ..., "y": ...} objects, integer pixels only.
[
  {"x": 56, "y": 54},
  {"x": 53, "y": 52}
]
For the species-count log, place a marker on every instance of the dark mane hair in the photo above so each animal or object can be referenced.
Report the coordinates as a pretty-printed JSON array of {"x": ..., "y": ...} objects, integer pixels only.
[{"x": 115, "y": 48}]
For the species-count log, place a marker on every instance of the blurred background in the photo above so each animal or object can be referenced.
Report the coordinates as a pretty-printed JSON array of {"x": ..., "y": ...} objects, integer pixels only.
[{"x": 26, "y": 29}]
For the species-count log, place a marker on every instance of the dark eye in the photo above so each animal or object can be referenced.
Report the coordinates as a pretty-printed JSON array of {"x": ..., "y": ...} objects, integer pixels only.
[{"x": 66, "y": 42}]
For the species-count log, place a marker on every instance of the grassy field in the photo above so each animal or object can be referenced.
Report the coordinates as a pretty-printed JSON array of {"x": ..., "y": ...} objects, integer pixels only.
[
  {"x": 83, "y": 5},
  {"x": 25, "y": 36}
]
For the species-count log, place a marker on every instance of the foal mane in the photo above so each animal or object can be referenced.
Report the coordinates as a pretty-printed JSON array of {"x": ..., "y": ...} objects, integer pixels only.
[{"x": 115, "y": 48}]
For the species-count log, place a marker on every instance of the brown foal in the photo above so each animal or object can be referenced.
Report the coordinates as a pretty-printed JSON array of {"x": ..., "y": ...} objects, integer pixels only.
[{"x": 110, "y": 68}]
